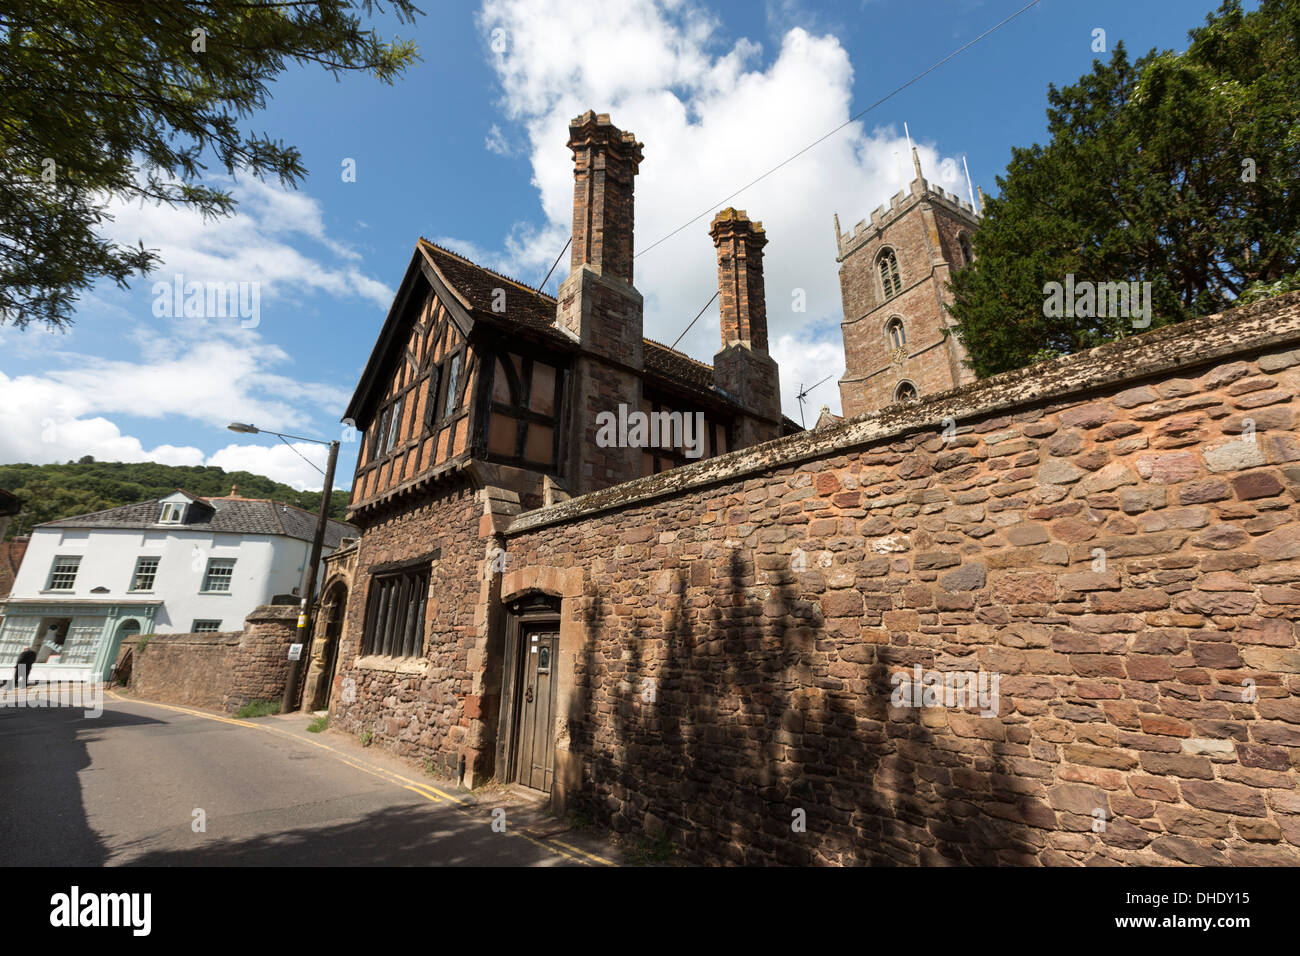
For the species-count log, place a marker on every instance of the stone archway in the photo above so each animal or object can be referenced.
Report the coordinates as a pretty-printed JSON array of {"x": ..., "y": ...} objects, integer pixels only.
[{"x": 324, "y": 649}]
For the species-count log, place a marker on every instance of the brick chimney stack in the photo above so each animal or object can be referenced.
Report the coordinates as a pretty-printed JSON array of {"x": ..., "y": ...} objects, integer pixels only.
[
  {"x": 597, "y": 306},
  {"x": 606, "y": 161},
  {"x": 741, "y": 297},
  {"x": 743, "y": 369}
]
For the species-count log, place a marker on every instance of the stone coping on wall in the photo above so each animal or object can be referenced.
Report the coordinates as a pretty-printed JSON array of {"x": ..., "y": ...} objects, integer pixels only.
[
  {"x": 203, "y": 637},
  {"x": 273, "y": 612},
  {"x": 1269, "y": 324}
]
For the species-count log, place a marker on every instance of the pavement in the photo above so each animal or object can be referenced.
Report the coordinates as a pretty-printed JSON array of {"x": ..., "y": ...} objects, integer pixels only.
[{"x": 160, "y": 785}]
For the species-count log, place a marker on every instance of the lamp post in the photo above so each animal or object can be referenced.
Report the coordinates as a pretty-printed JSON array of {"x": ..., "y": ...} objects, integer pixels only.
[{"x": 317, "y": 541}]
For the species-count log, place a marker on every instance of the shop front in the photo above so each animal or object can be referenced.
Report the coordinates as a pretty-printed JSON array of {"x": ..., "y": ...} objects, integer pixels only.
[{"x": 74, "y": 640}]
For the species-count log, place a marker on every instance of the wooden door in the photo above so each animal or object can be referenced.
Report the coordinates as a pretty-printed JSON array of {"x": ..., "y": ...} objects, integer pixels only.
[{"x": 535, "y": 729}]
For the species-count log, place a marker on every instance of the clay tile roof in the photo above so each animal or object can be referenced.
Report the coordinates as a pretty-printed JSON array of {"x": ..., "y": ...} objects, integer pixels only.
[
  {"x": 477, "y": 284},
  {"x": 535, "y": 309}
]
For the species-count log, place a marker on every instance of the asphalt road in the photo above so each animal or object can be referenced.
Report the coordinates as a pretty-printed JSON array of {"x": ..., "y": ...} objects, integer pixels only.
[{"x": 123, "y": 788}]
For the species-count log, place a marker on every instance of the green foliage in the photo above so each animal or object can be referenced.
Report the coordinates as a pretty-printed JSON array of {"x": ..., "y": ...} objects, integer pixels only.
[
  {"x": 142, "y": 645},
  {"x": 132, "y": 101},
  {"x": 259, "y": 708},
  {"x": 367, "y": 738},
  {"x": 1179, "y": 169},
  {"x": 1266, "y": 290},
  {"x": 49, "y": 492},
  {"x": 317, "y": 725}
]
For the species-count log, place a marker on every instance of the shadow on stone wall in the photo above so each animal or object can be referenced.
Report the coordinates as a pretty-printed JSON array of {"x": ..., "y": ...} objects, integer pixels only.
[{"x": 761, "y": 712}]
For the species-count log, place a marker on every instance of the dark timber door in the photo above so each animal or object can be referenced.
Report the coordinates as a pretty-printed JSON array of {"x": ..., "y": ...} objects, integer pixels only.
[{"x": 535, "y": 733}]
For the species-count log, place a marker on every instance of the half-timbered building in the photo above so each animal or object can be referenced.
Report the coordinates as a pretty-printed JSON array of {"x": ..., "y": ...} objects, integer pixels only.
[{"x": 484, "y": 398}]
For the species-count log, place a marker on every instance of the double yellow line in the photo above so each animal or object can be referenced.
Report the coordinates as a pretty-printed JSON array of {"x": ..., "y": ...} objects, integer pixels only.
[{"x": 430, "y": 793}]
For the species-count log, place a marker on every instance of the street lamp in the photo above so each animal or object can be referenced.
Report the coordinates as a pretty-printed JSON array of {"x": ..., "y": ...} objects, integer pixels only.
[{"x": 317, "y": 541}]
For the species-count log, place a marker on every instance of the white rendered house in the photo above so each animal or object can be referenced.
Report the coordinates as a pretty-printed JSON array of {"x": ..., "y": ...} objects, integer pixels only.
[{"x": 178, "y": 564}]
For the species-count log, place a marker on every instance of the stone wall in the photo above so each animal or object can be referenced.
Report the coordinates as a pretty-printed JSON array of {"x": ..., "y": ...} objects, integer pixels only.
[
  {"x": 188, "y": 669},
  {"x": 1114, "y": 536},
  {"x": 11, "y": 556},
  {"x": 428, "y": 706},
  {"x": 216, "y": 671}
]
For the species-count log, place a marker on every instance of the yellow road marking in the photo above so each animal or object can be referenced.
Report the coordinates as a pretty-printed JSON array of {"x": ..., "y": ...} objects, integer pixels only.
[
  {"x": 427, "y": 796},
  {"x": 425, "y": 790},
  {"x": 581, "y": 852},
  {"x": 546, "y": 846}
]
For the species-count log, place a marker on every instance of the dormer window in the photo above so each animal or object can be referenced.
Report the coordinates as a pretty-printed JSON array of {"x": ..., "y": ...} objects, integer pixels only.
[{"x": 172, "y": 513}]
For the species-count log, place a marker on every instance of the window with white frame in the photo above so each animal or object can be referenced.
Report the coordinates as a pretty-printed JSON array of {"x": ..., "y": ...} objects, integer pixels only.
[
  {"x": 82, "y": 641},
  {"x": 219, "y": 574},
  {"x": 16, "y": 635},
  {"x": 172, "y": 513},
  {"x": 205, "y": 627},
  {"x": 63, "y": 573},
  {"x": 146, "y": 570}
]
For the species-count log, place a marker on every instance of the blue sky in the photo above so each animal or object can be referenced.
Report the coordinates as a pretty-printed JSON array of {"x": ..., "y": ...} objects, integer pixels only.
[{"x": 467, "y": 149}]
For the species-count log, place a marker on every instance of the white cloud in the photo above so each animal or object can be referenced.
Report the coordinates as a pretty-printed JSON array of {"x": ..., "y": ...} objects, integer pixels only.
[
  {"x": 192, "y": 373},
  {"x": 42, "y": 421},
  {"x": 257, "y": 244},
  {"x": 712, "y": 119},
  {"x": 495, "y": 141},
  {"x": 199, "y": 374},
  {"x": 807, "y": 363},
  {"x": 277, "y": 462},
  {"x": 56, "y": 417}
]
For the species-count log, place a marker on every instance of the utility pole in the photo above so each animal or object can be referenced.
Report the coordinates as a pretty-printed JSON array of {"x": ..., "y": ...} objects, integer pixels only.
[
  {"x": 303, "y": 637},
  {"x": 306, "y": 606}
]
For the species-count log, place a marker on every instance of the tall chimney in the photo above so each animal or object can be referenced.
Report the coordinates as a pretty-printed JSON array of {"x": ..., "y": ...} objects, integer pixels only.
[
  {"x": 741, "y": 297},
  {"x": 606, "y": 162},
  {"x": 742, "y": 369},
  {"x": 597, "y": 305}
]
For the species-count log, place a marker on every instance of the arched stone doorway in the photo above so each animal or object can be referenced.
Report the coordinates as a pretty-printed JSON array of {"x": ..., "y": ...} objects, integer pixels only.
[
  {"x": 324, "y": 650},
  {"x": 126, "y": 633}
]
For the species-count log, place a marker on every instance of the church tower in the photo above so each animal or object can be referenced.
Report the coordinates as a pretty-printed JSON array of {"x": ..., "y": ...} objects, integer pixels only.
[{"x": 894, "y": 271}]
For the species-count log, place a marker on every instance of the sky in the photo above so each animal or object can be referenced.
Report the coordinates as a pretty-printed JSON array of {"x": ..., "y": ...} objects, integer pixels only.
[{"x": 468, "y": 150}]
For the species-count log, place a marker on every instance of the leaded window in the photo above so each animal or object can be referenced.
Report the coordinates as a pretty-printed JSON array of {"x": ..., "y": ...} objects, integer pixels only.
[
  {"x": 891, "y": 282},
  {"x": 395, "y": 610}
]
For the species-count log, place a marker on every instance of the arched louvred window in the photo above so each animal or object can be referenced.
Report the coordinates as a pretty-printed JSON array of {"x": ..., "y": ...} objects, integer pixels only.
[
  {"x": 905, "y": 393},
  {"x": 890, "y": 280},
  {"x": 963, "y": 243},
  {"x": 896, "y": 333}
]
